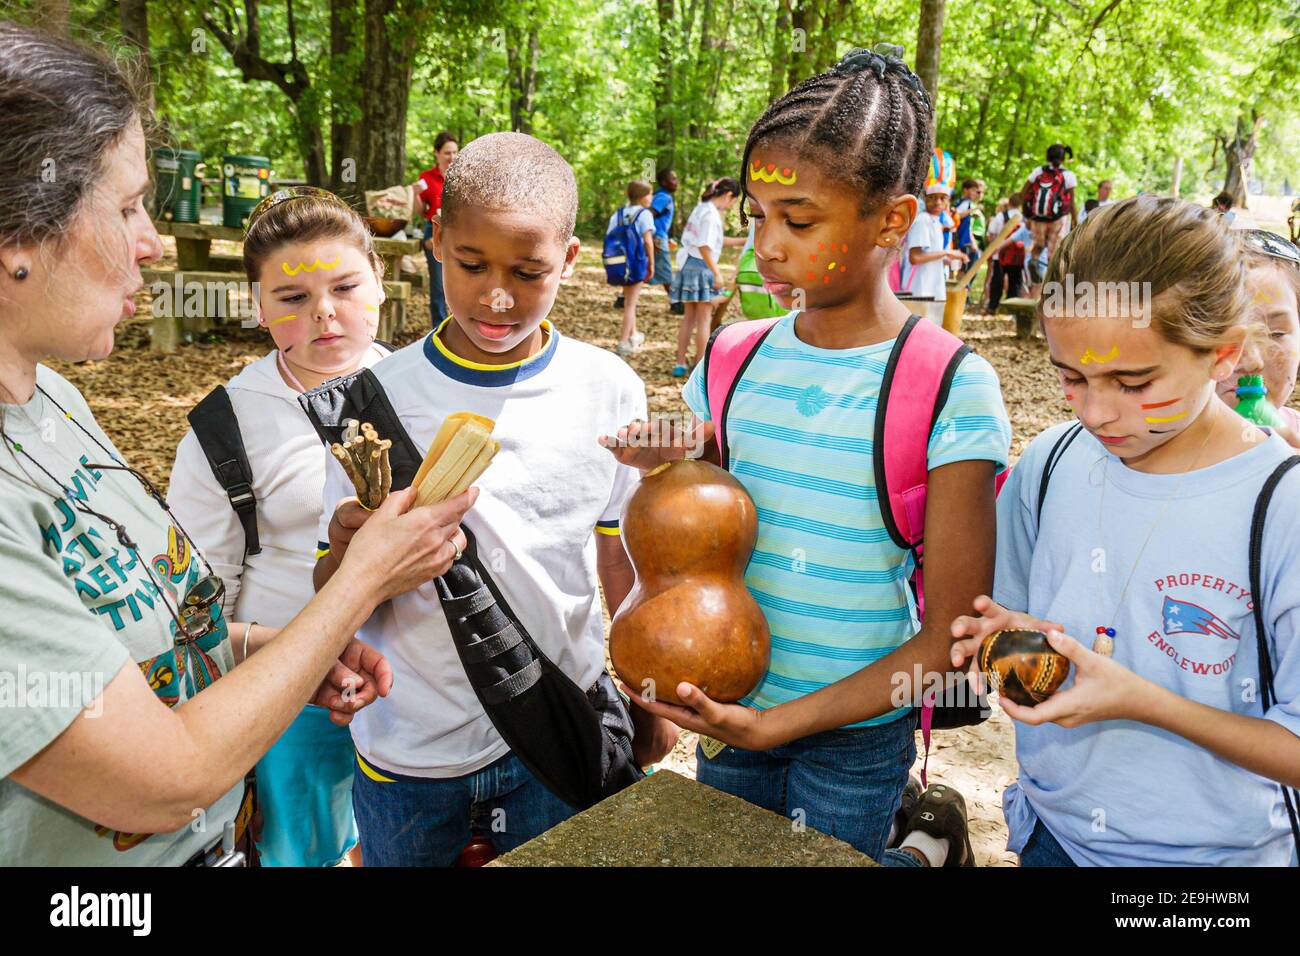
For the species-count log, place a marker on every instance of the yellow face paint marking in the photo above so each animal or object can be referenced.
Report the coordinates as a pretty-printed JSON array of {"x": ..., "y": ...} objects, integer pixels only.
[
  {"x": 283, "y": 318},
  {"x": 371, "y": 308},
  {"x": 303, "y": 267},
  {"x": 1090, "y": 356},
  {"x": 786, "y": 177},
  {"x": 1261, "y": 296},
  {"x": 1161, "y": 421}
]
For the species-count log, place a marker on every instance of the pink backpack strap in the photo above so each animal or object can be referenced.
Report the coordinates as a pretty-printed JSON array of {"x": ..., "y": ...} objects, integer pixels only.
[
  {"x": 914, "y": 390},
  {"x": 729, "y": 352}
]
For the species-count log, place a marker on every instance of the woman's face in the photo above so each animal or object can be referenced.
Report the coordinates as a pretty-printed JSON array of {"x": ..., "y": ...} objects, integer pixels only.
[
  {"x": 1277, "y": 357},
  {"x": 320, "y": 301},
  {"x": 447, "y": 154},
  {"x": 76, "y": 293}
]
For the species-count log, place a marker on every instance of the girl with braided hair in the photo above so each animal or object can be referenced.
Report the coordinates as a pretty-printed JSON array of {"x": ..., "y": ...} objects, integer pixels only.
[{"x": 831, "y": 173}]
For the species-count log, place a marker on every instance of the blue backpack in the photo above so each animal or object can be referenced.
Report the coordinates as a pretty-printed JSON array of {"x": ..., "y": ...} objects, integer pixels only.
[{"x": 626, "y": 262}]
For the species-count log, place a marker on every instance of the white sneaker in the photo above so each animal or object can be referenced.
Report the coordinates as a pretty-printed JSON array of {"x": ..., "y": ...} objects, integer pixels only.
[
  {"x": 624, "y": 349},
  {"x": 638, "y": 339}
]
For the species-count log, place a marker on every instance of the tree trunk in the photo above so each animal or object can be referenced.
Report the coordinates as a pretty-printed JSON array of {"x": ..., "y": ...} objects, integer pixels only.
[
  {"x": 1178, "y": 177},
  {"x": 1239, "y": 153},
  {"x": 391, "y": 38},
  {"x": 345, "y": 112},
  {"x": 289, "y": 77},
  {"x": 134, "y": 16},
  {"x": 522, "y": 73},
  {"x": 665, "y": 128},
  {"x": 803, "y": 17},
  {"x": 781, "y": 39},
  {"x": 929, "y": 37},
  {"x": 52, "y": 15}
]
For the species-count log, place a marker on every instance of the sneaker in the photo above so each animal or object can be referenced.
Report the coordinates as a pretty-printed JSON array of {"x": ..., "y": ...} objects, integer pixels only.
[
  {"x": 638, "y": 339},
  {"x": 941, "y": 812},
  {"x": 618, "y": 303},
  {"x": 625, "y": 350},
  {"x": 911, "y": 797},
  {"x": 679, "y": 371}
]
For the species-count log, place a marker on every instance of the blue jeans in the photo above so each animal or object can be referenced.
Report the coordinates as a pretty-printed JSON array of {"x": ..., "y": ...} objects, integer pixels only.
[
  {"x": 847, "y": 782},
  {"x": 1042, "y": 849},
  {"x": 416, "y": 821},
  {"x": 437, "y": 301}
]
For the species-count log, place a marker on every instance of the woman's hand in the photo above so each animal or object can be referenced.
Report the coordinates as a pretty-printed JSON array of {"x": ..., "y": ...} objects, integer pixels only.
[
  {"x": 969, "y": 632},
  {"x": 742, "y": 727},
  {"x": 646, "y": 445},
  {"x": 1103, "y": 689},
  {"x": 400, "y": 547},
  {"x": 358, "y": 679},
  {"x": 718, "y": 284}
]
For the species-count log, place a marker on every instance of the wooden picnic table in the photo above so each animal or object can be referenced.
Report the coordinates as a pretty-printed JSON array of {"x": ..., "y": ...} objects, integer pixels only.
[{"x": 196, "y": 263}]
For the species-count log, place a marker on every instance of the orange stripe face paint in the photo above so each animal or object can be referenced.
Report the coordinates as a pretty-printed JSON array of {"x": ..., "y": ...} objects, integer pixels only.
[{"x": 1172, "y": 401}]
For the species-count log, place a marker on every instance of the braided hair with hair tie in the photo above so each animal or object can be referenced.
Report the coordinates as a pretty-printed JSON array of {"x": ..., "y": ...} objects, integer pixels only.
[{"x": 867, "y": 121}]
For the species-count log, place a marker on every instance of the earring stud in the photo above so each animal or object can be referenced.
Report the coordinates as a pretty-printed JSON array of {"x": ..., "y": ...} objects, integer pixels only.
[{"x": 20, "y": 273}]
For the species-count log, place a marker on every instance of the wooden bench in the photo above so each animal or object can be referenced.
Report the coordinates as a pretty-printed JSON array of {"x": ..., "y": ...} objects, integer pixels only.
[{"x": 1024, "y": 312}]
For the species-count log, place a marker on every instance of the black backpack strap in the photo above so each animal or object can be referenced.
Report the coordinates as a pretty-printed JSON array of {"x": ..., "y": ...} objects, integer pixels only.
[
  {"x": 359, "y": 396},
  {"x": 577, "y": 743},
  {"x": 217, "y": 429},
  {"x": 1267, "y": 689},
  {"x": 1053, "y": 458}
]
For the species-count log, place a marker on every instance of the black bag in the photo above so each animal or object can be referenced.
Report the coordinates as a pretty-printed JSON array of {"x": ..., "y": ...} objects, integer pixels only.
[{"x": 577, "y": 743}]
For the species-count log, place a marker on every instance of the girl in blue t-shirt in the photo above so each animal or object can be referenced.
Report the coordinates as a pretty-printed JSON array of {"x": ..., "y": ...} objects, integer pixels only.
[
  {"x": 831, "y": 175},
  {"x": 1165, "y": 746}
]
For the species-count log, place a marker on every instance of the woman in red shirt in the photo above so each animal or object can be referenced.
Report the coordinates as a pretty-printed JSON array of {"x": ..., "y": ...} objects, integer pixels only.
[{"x": 429, "y": 189}]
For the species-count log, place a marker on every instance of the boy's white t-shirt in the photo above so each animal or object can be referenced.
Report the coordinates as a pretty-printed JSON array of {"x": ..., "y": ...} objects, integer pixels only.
[
  {"x": 927, "y": 279},
  {"x": 288, "y": 464},
  {"x": 703, "y": 228},
  {"x": 549, "y": 489}
]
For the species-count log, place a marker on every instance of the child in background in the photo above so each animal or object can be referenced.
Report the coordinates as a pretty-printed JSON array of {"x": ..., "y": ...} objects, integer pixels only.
[
  {"x": 320, "y": 292},
  {"x": 637, "y": 212},
  {"x": 1049, "y": 201},
  {"x": 927, "y": 257},
  {"x": 969, "y": 216},
  {"x": 1161, "y": 748},
  {"x": 663, "y": 208},
  {"x": 1009, "y": 262},
  {"x": 699, "y": 280},
  {"x": 1273, "y": 283},
  {"x": 429, "y": 758},
  {"x": 429, "y": 189},
  {"x": 833, "y": 169}
]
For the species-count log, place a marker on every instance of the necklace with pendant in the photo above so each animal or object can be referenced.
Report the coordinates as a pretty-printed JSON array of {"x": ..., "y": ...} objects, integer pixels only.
[{"x": 1104, "y": 642}]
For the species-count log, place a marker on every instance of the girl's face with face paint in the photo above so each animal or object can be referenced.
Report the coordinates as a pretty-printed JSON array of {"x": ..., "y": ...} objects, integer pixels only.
[{"x": 320, "y": 301}]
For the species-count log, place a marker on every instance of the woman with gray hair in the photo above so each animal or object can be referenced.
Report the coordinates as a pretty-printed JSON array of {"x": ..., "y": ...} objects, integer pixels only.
[{"x": 101, "y": 762}]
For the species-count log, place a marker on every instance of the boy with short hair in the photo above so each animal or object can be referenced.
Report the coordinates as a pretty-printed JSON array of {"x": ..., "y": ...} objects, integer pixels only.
[
  {"x": 546, "y": 520},
  {"x": 927, "y": 258},
  {"x": 969, "y": 216}
]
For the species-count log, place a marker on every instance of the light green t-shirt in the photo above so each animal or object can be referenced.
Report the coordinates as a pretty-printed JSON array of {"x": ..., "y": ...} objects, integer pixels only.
[{"x": 75, "y": 607}]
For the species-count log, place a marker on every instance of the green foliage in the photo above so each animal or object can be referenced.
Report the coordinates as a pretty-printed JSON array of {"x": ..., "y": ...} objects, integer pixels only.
[{"x": 1128, "y": 85}]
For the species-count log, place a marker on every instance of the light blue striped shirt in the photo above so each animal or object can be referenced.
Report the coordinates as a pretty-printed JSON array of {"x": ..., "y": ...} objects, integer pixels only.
[{"x": 832, "y": 584}]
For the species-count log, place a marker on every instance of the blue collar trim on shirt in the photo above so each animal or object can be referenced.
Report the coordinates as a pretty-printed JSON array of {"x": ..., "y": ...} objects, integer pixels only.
[{"x": 489, "y": 376}]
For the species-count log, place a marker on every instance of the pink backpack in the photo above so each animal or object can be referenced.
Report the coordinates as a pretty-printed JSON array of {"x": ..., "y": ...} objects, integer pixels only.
[{"x": 924, "y": 359}]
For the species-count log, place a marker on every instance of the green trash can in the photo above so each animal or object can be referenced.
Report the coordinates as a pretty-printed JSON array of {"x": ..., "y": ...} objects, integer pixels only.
[
  {"x": 178, "y": 177},
  {"x": 246, "y": 181}
]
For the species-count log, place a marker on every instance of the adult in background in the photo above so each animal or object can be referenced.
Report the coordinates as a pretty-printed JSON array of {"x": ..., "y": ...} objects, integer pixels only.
[
  {"x": 429, "y": 189},
  {"x": 1102, "y": 199},
  {"x": 141, "y": 760}
]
